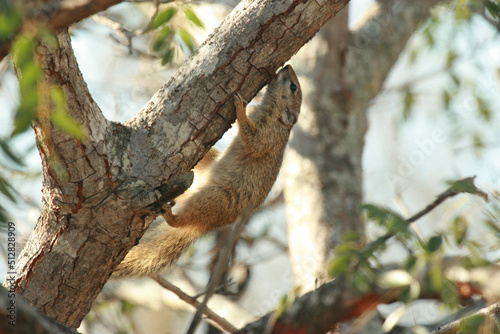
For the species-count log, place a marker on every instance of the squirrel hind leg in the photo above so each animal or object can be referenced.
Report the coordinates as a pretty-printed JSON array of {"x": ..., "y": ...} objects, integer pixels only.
[{"x": 171, "y": 218}]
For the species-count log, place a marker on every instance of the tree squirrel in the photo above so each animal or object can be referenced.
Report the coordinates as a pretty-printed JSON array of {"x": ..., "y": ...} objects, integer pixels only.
[{"x": 237, "y": 181}]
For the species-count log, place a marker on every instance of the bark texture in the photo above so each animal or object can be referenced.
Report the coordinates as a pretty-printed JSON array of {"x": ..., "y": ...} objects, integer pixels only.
[
  {"x": 323, "y": 188},
  {"x": 56, "y": 14},
  {"x": 99, "y": 196},
  {"x": 27, "y": 318}
]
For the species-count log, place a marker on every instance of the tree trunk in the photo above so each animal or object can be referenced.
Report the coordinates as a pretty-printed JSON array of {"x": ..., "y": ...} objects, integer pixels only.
[
  {"x": 323, "y": 168},
  {"x": 100, "y": 195}
]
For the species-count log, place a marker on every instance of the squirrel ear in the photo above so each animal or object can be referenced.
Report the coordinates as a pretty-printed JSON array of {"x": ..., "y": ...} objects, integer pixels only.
[{"x": 287, "y": 118}]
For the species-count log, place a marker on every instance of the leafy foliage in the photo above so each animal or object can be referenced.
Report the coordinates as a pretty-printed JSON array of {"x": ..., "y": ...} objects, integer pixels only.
[
  {"x": 170, "y": 35},
  {"x": 424, "y": 266},
  {"x": 466, "y": 88},
  {"x": 36, "y": 96}
]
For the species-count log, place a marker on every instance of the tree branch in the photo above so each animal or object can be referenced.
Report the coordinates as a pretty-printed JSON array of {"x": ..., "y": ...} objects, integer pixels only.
[
  {"x": 223, "y": 323},
  {"x": 465, "y": 185},
  {"x": 19, "y": 317},
  {"x": 492, "y": 311},
  {"x": 57, "y": 14},
  {"x": 220, "y": 267},
  {"x": 337, "y": 301},
  {"x": 90, "y": 214}
]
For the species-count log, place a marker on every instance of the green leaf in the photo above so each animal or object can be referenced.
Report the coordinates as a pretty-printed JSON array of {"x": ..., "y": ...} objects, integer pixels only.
[
  {"x": 379, "y": 214},
  {"x": 471, "y": 324},
  {"x": 167, "y": 56},
  {"x": 466, "y": 185},
  {"x": 361, "y": 282},
  {"x": 476, "y": 256},
  {"x": 163, "y": 37},
  {"x": 434, "y": 243},
  {"x": 23, "y": 51},
  {"x": 449, "y": 294},
  {"x": 394, "y": 223},
  {"x": 436, "y": 277},
  {"x": 460, "y": 229},
  {"x": 57, "y": 98},
  {"x": 483, "y": 109},
  {"x": 450, "y": 57},
  {"x": 287, "y": 301},
  {"x": 163, "y": 17},
  {"x": 26, "y": 113},
  {"x": 414, "y": 52},
  {"x": 188, "y": 40},
  {"x": 462, "y": 11},
  {"x": 429, "y": 36},
  {"x": 6, "y": 189},
  {"x": 64, "y": 122},
  {"x": 493, "y": 8},
  {"x": 409, "y": 102},
  {"x": 191, "y": 15},
  {"x": 60, "y": 117},
  {"x": 8, "y": 152},
  {"x": 127, "y": 307},
  {"x": 494, "y": 226},
  {"x": 351, "y": 236},
  {"x": 339, "y": 265},
  {"x": 3, "y": 216},
  {"x": 10, "y": 21},
  {"x": 446, "y": 99},
  {"x": 410, "y": 263}
]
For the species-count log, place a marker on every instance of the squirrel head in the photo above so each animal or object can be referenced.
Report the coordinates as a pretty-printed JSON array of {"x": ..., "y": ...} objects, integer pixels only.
[{"x": 284, "y": 97}]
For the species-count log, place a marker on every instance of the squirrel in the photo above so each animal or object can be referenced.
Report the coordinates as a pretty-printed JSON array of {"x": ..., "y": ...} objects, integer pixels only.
[{"x": 237, "y": 181}]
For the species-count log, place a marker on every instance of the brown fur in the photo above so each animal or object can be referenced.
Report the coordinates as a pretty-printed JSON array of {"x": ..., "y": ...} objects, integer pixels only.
[{"x": 240, "y": 179}]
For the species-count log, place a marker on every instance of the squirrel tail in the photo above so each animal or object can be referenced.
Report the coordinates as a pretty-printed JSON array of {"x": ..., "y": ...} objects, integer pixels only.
[{"x": 151, "y": 256}]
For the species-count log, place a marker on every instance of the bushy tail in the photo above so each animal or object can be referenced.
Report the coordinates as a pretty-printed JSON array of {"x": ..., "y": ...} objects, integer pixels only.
[{"x": 151, "y": 256}]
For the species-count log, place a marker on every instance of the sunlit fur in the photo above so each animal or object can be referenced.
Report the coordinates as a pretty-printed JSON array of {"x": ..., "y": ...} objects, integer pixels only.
[{"x": 238, "y": 180}]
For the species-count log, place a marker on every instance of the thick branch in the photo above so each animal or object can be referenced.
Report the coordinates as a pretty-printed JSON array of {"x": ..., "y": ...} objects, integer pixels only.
[
  {"x": 107, "y": 195},
  {"x": 19, "y": 317},
  {"x": 319, "y": 311},
  {"x": 57, "y": 14},
  {"x": 195, "y": 108}
]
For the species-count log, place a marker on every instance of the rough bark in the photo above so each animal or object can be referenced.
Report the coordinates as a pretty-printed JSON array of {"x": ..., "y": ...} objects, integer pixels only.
[
  {"x": 26, "y": 318},
  {"x": 99, "y": 196},
  {"x": 56, "y": 14},
  {"x": 323, "y": 188}
]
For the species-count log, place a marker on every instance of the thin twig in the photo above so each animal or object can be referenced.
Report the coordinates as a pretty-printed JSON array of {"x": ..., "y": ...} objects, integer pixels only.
[
  {"x": 220, "y": 267},
  {"x": 219, "y": 288},
  {"x": 489, "y": 311},
  {"x": 450, "y": 192},
  {"x": 223, "y": 323}
]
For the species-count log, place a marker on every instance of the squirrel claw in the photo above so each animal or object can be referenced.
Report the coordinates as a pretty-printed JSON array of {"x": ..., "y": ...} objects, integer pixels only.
[{"x": 239, "y": 100}]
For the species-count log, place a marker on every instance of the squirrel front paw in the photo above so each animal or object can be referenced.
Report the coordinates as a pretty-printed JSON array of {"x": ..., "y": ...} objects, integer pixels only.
[{"x": 239, "y": 102}]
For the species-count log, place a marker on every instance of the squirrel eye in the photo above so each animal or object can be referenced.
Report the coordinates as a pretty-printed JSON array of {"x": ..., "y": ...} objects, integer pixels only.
[{"x": 293, "y": 87}]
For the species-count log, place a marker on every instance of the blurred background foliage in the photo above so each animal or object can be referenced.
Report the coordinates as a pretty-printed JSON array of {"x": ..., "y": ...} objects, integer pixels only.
[{"x": 170, "y": 28}]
